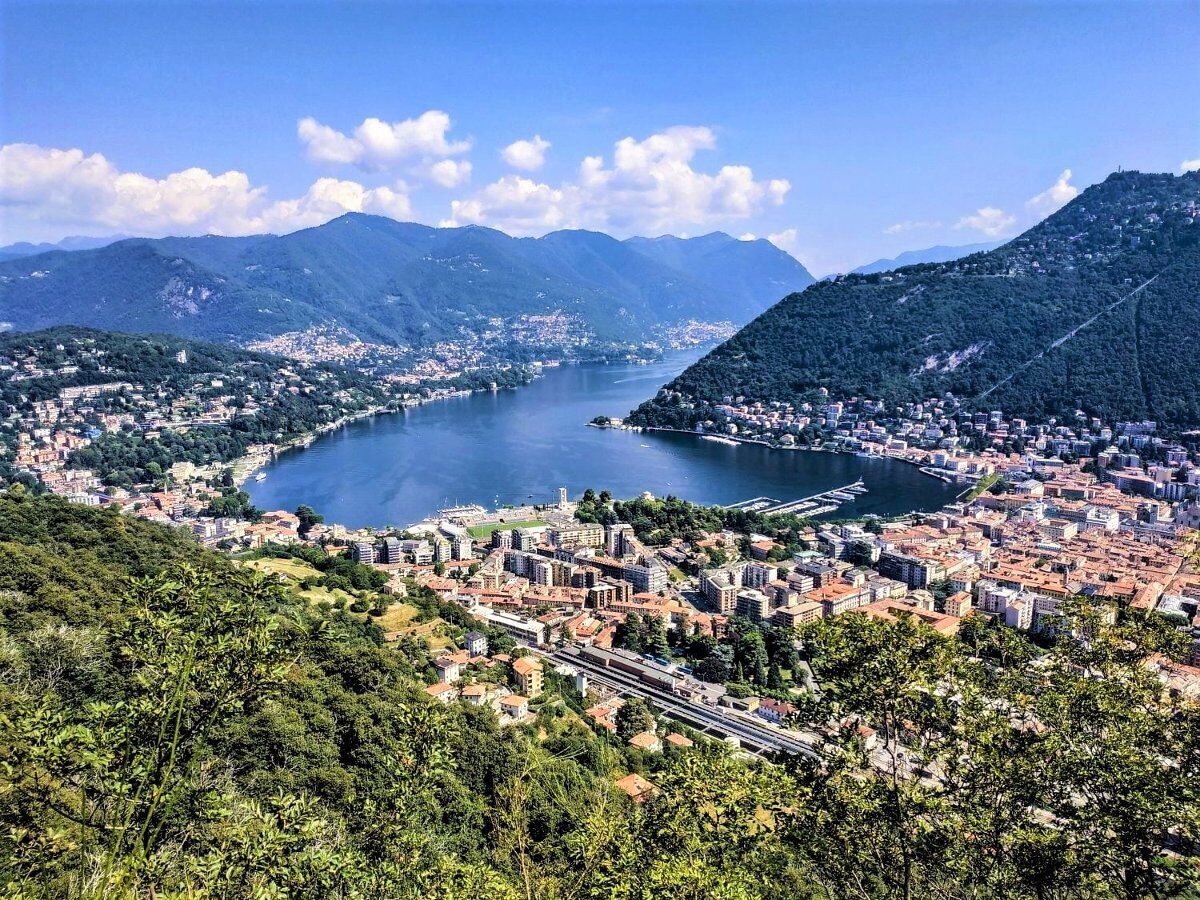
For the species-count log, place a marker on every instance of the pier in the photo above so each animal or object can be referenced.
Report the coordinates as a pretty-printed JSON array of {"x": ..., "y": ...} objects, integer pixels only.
[{"x": 815, "y": 504}]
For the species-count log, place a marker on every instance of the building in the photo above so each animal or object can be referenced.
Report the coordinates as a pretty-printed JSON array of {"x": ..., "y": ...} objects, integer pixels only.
[
  {"x": 391, "y": 551},
  {"x": 525, "y": 631},
  {"x": 363, "y": 552},
  {"x": 797, "y": 615},
  {"x": 463, "y": 548},
  {"x": 476, "y": 643},
  {"x": 754, "y": 605},
  {"x": 449, "y": 671},
  {"x": 618, "y": 540},
  {"x": 515, "y": 706},
  {"x": 646, "y": 741},
  {"x": 647, "y": 577},
  {"x": 529, "y": 675},
  {"x": 441, "y": 692},
  {"x": 575, "y": 535},
  {"x": 720, "y": 588}
]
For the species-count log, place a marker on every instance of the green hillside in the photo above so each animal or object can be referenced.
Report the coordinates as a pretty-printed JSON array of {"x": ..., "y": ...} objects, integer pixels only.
[
  {"x": 387, "y": 281},
  {"x": 174, "y": 724},
  {"x": 1097, "y": 309}
]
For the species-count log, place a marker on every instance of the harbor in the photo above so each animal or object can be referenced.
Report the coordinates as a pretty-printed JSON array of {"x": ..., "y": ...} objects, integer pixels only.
[{"x": 812, "y": 505}]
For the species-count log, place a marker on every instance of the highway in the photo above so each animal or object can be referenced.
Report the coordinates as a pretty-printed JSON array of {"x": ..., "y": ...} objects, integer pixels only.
[{"x": 717, "y": 721}]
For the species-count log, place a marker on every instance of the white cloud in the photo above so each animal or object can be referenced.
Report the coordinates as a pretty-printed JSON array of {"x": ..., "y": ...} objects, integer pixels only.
[
  {"x": 651, "y": 186},
  {"x": 377, "y": 145},
  {"x": 450, "y": 172},
  {"x": 1190, "y": 165},
  {"x": 1054, "y": 197},
  {"x": 49, "y": 192},
  {"x": 528, "y": 155},
  {"x": 748, "y": 236},
  {"x": 989, "y": 220},
  {"x": 911, "y": 225},
  {"x": 787, "y": 240}
]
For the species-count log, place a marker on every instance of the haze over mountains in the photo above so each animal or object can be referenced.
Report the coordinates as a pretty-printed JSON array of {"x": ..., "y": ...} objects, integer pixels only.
[
  {"x": 1097, "y": 309},
  {"x": 940, "y": 253},
  {"x": 396, "y": 282},
  {"x": 75, "y": 242}
]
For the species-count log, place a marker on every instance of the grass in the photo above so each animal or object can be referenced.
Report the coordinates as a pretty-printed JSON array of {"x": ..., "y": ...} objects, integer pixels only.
[
  {"x": 483, "y": 531},
  {"x": 292, "y": 568}
]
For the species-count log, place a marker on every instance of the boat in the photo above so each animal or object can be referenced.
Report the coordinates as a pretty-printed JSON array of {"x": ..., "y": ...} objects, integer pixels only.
[
  {"x": 261, "y": 476},
  {"x": 718, "y": 439}
]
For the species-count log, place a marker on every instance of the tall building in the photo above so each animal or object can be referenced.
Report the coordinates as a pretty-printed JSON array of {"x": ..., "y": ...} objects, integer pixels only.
[
  {"x": 363, "y": 552},
  {"x": 618, "y": 539},
  {"x": 463, "y": 547},
  {"x": 391, "y": 551},
  {"x": 647, "y": 577}
]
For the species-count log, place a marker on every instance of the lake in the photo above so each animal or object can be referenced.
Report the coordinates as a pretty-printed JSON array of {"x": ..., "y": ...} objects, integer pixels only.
[{"x": 519, "y": 446}]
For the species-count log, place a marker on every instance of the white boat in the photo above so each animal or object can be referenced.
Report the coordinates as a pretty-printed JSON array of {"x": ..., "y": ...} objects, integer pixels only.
[
  {"x": 718, "y": 439},
  {"x": 261, "y": 476}
]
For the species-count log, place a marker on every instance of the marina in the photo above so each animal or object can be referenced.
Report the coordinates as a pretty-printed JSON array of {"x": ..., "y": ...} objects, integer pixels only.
[{"x": 813, "y": 505}]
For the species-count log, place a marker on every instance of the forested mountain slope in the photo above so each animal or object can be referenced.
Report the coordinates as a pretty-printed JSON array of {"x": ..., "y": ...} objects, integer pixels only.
[
  {"x": 393, "y": 282},
  {"x": 1096, "y": 308}
]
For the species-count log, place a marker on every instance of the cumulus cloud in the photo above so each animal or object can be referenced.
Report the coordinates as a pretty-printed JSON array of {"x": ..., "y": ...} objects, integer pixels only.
[
  {"x": 376, "y": 145},
  {"x": 650, "y": 186},
  {"x": 787, "y": 240},
  {"x": 1190, "y": 165},
  {"x": 49, "y": 191},
  {"x": 988, "y": 220},
  {"x": 450, "y": 172},
  {"x": 528, "y": 155},
  {"x": 911, "y": 225},
  {"x": 1054, "y": 197}
]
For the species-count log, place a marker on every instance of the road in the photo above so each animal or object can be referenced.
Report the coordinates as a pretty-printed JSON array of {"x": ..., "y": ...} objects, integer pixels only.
[{"x": 717, "y": 721}]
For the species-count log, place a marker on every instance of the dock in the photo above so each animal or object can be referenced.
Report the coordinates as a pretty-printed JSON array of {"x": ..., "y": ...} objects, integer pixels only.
[{"x": 815, "y": 504}]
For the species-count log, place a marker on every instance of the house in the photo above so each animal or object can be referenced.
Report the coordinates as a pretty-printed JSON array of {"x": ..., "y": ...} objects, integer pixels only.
[
  {"x": 441, "y": 692},
  {"x": 449, "y": 671},
  {"x": 774, "y": 710},
  {"x": 678, "y": 741},
  {"x": 475, "y": 694},
  {"x": 646, "y": 740},
  {"x": 515, "y": 705},
  {"x": 637, "y": 787},
  {"x": 476, "y": 643},
  {"x": 529, "y": 675},
  {"x": 604, "y": 716}
]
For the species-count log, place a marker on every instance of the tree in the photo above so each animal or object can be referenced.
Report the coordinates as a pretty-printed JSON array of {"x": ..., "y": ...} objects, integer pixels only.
[
  {"x": 308, "y": 518},
  {"x": 656, "y": 637},
  {"x": 634, "y": 717}
]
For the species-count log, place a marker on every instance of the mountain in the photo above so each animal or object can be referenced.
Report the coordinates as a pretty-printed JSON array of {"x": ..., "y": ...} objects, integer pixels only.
[
  {"x": 24, "y": 248},
  {"x": 1096, "y": 308},
  {"x": 394, "y": 282},
  {"x": 756, "y": 272},
  {"x": 936, "y": 254}
]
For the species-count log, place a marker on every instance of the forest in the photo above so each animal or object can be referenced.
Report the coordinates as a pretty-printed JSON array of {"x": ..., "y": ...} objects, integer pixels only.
[
  {"x": 175, "y": 725},
  {"x": 1093, "y": 309}
]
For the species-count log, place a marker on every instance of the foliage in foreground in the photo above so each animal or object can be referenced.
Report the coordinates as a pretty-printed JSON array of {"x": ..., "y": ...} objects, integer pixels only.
[{"x": 171, "y": 725}]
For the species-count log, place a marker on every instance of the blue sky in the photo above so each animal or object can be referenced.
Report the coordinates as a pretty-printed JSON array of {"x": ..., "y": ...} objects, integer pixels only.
[{"x": 846, "y": 131}]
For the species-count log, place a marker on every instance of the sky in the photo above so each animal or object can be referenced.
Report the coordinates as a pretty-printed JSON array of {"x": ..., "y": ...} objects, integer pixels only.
[{"x": 842, "y": 132}]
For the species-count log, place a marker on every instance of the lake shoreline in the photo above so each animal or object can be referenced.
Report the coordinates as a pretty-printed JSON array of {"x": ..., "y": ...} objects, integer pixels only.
[{"x": 517, "y": 448}]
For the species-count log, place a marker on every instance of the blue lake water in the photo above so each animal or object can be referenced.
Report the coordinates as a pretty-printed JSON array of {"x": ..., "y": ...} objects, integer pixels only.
[{"x": 519, "y": 446}]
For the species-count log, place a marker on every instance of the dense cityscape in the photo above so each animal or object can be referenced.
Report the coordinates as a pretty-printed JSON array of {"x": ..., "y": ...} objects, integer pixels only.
[{"x": 549, "y": 451}]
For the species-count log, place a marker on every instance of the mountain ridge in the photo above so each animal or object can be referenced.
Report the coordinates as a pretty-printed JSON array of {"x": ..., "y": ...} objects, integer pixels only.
[
  {"x": 1046, "y": 325},
  {"x": 936, "y": 254},
  {"x": 396, "y": 282}
]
